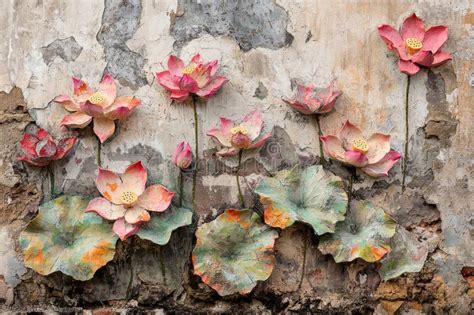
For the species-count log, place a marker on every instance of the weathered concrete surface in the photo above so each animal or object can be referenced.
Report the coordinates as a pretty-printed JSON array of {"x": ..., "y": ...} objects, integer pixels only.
[{"x": 329, "y": 39}]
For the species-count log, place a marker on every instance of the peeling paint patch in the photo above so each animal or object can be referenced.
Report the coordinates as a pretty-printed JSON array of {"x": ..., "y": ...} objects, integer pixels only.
[
  {"x": 258, "y": 23},
  {"x": 120, "y": 21},
  {"x": 10, "y": 266},
  {"x": 67, "y": 49}
]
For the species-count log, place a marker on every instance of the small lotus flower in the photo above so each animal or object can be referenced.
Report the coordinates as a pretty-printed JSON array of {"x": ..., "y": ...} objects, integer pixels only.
[
  {"x": 197, "y": 78},
  {"x": 126, "y": 201},
  {"x": 101, "y": 106},
  {"x": 183, "y": 156},
  {"x": 235, "y": 137},
  {"x": 373, "y": 155},
  {"x": 414, "y": 46},
  {"x": 309, "y": 100},
  {"x": 40, "y": 149}
]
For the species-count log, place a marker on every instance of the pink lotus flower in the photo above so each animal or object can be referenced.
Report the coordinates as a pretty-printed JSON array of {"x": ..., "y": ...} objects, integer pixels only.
[
  {"x": 414, "y": 46},
  {"x": 309, "y": 100},
  {"x": 102, "y": 106},
  {"x": 183, "y": 156},
  {"x": 126, "y": 201},
  {"x": 372, "y": 155},
  {"x": 40, "y": 149},
  {"x": 196, "y": 78},
  {"x": 235, "y": 137}
]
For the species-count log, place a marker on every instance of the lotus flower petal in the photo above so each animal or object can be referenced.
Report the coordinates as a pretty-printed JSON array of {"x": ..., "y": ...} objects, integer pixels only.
[
  {"x": 407, "y": 255},
  {"x": 179, "y": 96},
  {"x": 136, "y": 215},
  {"x": 408, "y": 67},
  {"x": 81, "y": 88},
  {"x": 312, "y": 196},
  {"x": 67, "y": 103},
  {"x": 76, "y": 120},
  {"x": 64, "y": 238},
  {"x": 175, "y": 65},
  {"x": 441, "y": 57},
  {"x": 108, "y": 88},
  {"x": 34, "y": 161},
  {"x": 124, "y": 230},
  {"x": 183, "y": 156},
  {"x": 158, "y": 230},
  {"x": 109, "y": 185},
  {"x": 155, "y": 198},
  {"x": 253, "y": 121},
  {"x": 106, "y": 209},
  {"x": 223, "y": 135},
  {"x": 212, "y": 87},
  {"x": 166, "y": 80},
  {"x": 356, "y": 158},
  {"x": 379, "y": 146},
  {"x": 46, "y": 148},
  {"x": 121, "y": 108},
  {"x": 349, "y": 132},
  {"x": 333, "y": 147},
  {"x": 234, "y": 251},
  {"x": 260, "y": 142},
  {"x": 423, "y": 58},
  {"x": 228, "y": 152},
  {"x": 187, "y": 83},
  {"x": 390, "y": 36},
  {"x": 104, "y": 128},
  {"x": 28, "y": 144},
  {"x": 64, "y": 147},
  {"x": 413, "y": 27},
  {"x": 92, "y": 109},
  {"x": 134, "y": 178},
  {"x": 435, "y": 37},
  {"x": 382, "y": 167},
  {"x": 365, "y": 234}
]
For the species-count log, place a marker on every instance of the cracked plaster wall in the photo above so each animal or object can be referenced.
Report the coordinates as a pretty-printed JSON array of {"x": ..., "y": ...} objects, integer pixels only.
[{"x": 264, "y": 47}]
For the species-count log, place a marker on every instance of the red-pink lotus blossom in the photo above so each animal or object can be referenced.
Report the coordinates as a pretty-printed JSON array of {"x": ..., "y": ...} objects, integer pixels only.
[
  {"x": 372, "y": 155},
  {"x": 235, "y": 137},
  {"x": 183, "y": 156},
  {"x": 416, "y": 46},
  {"x": 40, "y": 149},
  {"x": 196, "y": 78},
  {"x": 101, "y": 106},
  {"x": 310, "y": 100},
  {"x": 125, "y": 199}
]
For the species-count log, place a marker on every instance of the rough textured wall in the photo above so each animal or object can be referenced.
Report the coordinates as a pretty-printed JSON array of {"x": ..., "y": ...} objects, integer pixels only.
[{"x": 264, "y": 47}]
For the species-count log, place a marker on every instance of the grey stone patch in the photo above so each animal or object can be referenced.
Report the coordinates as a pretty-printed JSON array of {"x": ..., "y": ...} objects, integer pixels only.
[
  {"x": 11, "y": 267},
  {"x": 279, "y": 151},
  {"x": 261, "y": 92},
  {"x": 257, "y": 23},
  {"x": 120, "y": 21},
  {"x": 67, "y": 49}
]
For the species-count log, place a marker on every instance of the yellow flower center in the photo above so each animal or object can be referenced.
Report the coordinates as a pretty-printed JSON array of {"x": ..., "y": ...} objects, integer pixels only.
[
  {"x": 97, "y": 98},
  {"x": 189, "y": 69},
  {"x": 238, "y": 129},
  {"x": 360, "y": 145},
  {"x": 413, "y": 45},
  {"x": 128, "y": 198}
]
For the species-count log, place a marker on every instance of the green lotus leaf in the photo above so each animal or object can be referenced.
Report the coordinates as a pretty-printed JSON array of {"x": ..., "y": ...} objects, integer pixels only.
[
  {"x": 407, "y": 255},
  {"x": 365, "y": 234},
  {"x": 159, "y": 228},
  {"x": 234, "y": 251},
  {"x": 309, "y": 195},
  {"x": 64, "y": 238}
]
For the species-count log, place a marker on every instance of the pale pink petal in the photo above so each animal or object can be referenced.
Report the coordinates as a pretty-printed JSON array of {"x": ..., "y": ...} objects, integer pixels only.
[
  {"x": 413, "y": 27},
  {"x": 92, "y": 109},
  {"x": 223, "y": 135},
  {"x": 46, "y": 148},
  {"x": 390, "y": 36},
  {"x": 382, "y": 167},
  {"x": 441, "y": 57},
  {"x": 435, "y": 37},
  {"x": 104, "y": 128},
  {"x": 108, "y": 88},
  {"x": 226, "y": 152},
  {"x": 121, "y": 108},
  {"x": 253, "y": 121},
  {"x": 187, "y": 83},
  {"x": 212, "y": 87},
  {"x": 356, "y": 158},
  {"x": 349, "y": 132},
  {"x": 76, "y": 120},
  {"x": 166, "y": 80},
  {"x": 64, "y": 147},
  {"x": 175, "y": 65},
  {"x": 136, "y": 215},
  {"x": 260, "y": 142},
  {"x": 134, "y": 178},
  {"x": 81, "y": 88},
  {"x": 196, "y": 58},
  {"x": 408, "y": 67},
  {"x": 67, "y": 103},
  {"x": 241, "y": 141},
  {"x": 423, "y": 58},
  {"x": 155, "y": 198},
  {"x": 124, "y": 230},
  {"x": 212, "y": 66},
  {"x": 379, "y": 146},
  {"x": 109, "y": 185},
  {"x": 179, "y": 96},
  {"x": 34, "y": 161},
  {"x": 333, "y": 147},
  {"x": 201, "y": 75},
  {"x": 105, "y": 209},
  {"x": 28, "y": 144},
  {"x": 182, "y": 156},
  {"x": 300, "y": 107}
]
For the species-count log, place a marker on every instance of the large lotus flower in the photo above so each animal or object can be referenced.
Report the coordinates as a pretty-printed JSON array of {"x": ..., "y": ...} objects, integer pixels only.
[
  {"x": 182, "y": 156},
  {"x": 197, "y": 78},
  {"x": 373, "y": 155},
  {"x": 309, "y": 100},
  {"x": 126, "y": 201},
  {"x": 102, "y": 106},
  {"x": 414, "y": 46},
  {"x": 40, "y": 149},
  {"x": 235, "y": 137}
]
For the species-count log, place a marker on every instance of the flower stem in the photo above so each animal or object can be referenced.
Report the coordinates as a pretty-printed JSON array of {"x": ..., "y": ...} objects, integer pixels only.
[
  {"x": 241, "y": 197},
  {"x": 405, "y": 158},
  {"x": 352, "y": 175},
  {"x": 99, "y": 153},
  {"x": 320, "y": 133},
  {"x": 180, "y": 187},
  {"x": 196, "y": 153},
  {"x": 306, "y": 240},
  {"x": 51, "y": 180}
]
